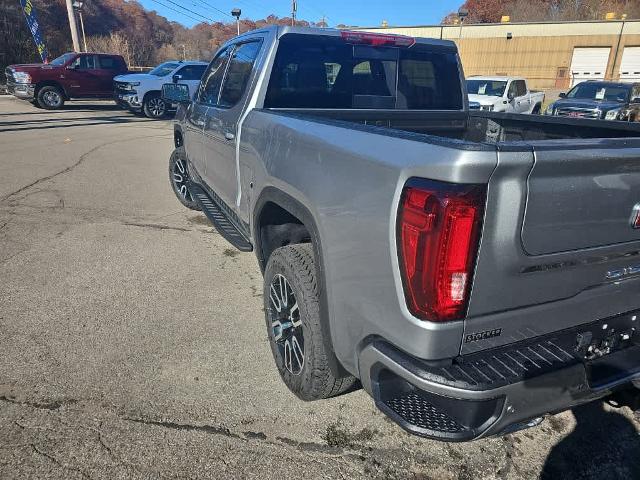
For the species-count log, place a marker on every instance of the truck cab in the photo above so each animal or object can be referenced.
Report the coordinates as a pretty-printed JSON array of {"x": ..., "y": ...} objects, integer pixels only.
[
  {"x": 70, "y": 76},
  {"x": 503, "y": 94}
]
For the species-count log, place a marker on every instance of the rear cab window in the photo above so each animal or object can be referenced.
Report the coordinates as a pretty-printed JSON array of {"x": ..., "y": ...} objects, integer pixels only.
[{"x": 313, "y": 71}]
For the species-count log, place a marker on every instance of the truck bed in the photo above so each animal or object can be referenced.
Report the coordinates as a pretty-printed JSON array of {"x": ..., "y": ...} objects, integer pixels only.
[
  {"x": 556, "y": 241},
  {"x": 478, "y": 126}
]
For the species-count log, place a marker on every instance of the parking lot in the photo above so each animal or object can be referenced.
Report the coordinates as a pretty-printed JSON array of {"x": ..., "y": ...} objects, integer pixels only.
[{"x": 133, "y": 344}]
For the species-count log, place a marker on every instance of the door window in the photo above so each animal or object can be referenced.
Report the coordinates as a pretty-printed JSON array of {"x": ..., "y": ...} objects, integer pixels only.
[
  {"x": 192, "y": 72},
  {"x": 238, "y": 73},
  {"x": 513, "y": 91},
  {"x": 108, "y": 63},
  {"x": 521, "y": 88},
  {"x": 635, "y": 93},
  {"x": 85, "y": 62},
  {"x": 212, "y": 79}
]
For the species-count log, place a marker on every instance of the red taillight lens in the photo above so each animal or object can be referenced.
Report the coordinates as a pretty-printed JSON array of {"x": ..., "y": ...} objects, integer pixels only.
[
  {"x": 377, "y": 39},
  {"x": 438, "y": 234}
]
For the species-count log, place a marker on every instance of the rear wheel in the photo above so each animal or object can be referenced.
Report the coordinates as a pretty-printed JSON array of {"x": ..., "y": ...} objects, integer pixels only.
[
  {"x": 179, "y": 177},
  {"x": 292, "y": 313},
  {"x": 154, "y": 106},
  {"x": 50, "y": 98},
  {"x": 536, "y": 109}
]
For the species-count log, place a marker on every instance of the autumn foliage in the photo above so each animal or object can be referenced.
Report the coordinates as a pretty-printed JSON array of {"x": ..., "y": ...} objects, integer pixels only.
[
  {"x": 143, "y": 37},
  {"x": 491, "y": 11}
]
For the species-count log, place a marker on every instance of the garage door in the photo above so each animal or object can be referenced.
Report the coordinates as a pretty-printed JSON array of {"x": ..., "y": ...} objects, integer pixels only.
[
  {"x": 589, "y": 64},
  {"x": 630, "y": 65}
]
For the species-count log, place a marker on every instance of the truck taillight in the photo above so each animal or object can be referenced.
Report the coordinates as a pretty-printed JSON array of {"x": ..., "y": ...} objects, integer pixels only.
[{"x": 438, "y": 234}]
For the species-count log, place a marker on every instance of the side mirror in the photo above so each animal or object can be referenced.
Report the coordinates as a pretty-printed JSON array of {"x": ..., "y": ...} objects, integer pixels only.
[
  {"x": 511, "y": 96},
  {"x": 176, "y": 93},
  {"x": 562, "y": 95},
  {"x": 176, "y": 78}
]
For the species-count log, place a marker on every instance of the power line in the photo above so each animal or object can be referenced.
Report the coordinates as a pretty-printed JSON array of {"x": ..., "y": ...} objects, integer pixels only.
[
  {"x": 206, "y": 4},
  {"x": 179, "y": 12}
]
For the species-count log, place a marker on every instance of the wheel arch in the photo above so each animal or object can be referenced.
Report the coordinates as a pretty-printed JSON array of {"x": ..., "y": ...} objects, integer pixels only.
[
  {"x": 178, "y": 137},
  {"x": 51, "y": 83},
  {"x": 150, "y": 92},
  {"x": 270, "y": 202}
]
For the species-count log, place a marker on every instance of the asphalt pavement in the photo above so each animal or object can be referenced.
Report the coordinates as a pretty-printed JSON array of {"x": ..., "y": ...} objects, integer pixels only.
[{"x": 133, "y": 343}]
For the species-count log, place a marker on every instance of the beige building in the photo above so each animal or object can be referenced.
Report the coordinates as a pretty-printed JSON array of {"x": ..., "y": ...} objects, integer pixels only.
[{"x": 549, "y": 55}]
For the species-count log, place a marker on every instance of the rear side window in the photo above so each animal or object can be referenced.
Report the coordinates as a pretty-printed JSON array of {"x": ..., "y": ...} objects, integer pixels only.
[
  {"x": 192, "y": 72},
  {"x": 108, "y": 63},
  {"x": 327, "y": 72},
  {"x": 238, "y": 73}
]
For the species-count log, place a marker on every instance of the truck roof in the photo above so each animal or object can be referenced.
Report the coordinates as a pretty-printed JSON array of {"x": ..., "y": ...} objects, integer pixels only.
[{"x": 336, "y": 32}]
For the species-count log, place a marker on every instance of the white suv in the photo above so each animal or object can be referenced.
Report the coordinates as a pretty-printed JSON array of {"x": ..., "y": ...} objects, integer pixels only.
[{"x": 141, "y": 91}]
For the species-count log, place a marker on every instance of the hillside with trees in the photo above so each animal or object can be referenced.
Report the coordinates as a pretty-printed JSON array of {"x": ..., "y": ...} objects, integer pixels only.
[
  {"x": 491, "y": 11},
  {"x": 143, "y": 37}
]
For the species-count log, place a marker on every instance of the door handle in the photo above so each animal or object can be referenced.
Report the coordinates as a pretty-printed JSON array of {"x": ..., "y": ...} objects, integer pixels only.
[{"x": 229, "y": 136}]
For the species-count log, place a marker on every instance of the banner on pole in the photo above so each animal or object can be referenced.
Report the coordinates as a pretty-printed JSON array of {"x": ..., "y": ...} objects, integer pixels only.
[{"x": 34, "y": 27}]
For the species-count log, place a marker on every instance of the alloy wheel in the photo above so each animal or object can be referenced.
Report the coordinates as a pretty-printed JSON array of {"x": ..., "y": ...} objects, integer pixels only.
[
  {"x": 180, "y": 177},
  {"x": 156, "y": 107},
  {"x": 52, "y": 98},
  {"x": 286, "y": 324}
]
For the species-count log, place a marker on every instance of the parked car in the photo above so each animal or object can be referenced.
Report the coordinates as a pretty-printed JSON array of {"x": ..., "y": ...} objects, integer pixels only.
[
  {"x": 504, "y": 94},
  {"x": 464, "y": 268},
  {"x": 68, "y": 77},
  {"x": 140, "y": 92},
  {"x": 599, "y": 100}
]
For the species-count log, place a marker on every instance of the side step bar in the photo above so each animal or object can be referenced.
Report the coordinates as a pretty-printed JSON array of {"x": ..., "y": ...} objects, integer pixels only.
[{"x": 219, "y": 219}]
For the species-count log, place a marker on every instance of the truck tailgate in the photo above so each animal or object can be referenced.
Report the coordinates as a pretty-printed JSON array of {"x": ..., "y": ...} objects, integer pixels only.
[
  {"x": 558, "y": 247},
  {"x": 581, "y": 199}
]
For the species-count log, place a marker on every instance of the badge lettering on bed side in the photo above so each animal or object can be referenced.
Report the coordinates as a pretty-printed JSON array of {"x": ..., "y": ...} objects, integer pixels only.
[{"x": 475, "y": 337}]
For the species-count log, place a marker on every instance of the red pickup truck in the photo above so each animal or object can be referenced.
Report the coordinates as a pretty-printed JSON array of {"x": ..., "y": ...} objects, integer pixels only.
[{"x": 70, "y": 76}]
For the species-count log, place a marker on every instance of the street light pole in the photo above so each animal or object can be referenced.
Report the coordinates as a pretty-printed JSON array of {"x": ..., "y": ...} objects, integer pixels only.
[
  {"x": 462, "y": 14},
  {"x": 236, "y": 12},
  {"x": 73, "y": 26}
]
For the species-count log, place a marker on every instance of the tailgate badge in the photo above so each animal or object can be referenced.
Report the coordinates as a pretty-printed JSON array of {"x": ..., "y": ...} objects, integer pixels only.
[{"x": 635, "y": 216}]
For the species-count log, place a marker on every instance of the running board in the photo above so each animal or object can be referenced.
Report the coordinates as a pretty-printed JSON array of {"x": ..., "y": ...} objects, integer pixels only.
[{"x": 219, "y": 219}]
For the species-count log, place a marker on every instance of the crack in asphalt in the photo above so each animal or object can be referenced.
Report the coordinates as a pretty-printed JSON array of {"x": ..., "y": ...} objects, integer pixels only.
[
  {"x": 156, "y": 226},
  {"x": 184, "y": 426},
  {"x": 53, "y": 405},
  {"x": 57, "y": 462},
  {"x": 71, "y": 167}
]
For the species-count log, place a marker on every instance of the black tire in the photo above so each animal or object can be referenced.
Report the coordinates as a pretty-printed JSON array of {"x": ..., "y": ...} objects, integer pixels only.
[
  {"x": 178, "y": 176},
  {"x": 50, "y": 98},
  {"x": 154, "y": 106},
  {"x": 537, "y": 109},
  {"x": 313, "y": 380}
]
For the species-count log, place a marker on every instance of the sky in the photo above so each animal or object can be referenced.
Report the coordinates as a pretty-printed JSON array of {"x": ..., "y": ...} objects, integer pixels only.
[{"x": 348, "y": 12}]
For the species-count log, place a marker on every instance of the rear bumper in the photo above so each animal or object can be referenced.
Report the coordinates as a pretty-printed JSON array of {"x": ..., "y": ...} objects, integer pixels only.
[
  {"x": 24, "y": 91},
  {"x": 490, "y": 393}
]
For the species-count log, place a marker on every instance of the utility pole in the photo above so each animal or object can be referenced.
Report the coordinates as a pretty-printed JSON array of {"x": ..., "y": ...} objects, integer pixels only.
[
  {"x": 73, "y": 26},
  {"x": 294, "y": 9}
]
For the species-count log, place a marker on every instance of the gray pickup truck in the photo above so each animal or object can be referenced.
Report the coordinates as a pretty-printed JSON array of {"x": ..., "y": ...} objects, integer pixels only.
[{"x": 471, "y": 271}]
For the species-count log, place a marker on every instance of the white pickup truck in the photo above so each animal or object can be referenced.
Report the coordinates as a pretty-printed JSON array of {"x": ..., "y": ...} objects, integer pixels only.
[
  {"x": 503, "y": 94},
  {"x": 140, "y": 92}
]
